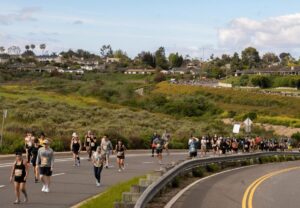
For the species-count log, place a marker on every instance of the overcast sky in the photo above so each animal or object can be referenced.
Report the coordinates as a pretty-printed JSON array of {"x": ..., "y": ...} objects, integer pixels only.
[{"x": 189, "y": 27}]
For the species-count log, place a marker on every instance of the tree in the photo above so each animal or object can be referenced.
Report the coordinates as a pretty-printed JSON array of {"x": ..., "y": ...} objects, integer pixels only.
[
  {"x": 175, "y": 60},
  {"x": 106, "y": 51},
  {"x": 236, "y": 63},
  {"x": 2, "y": 49},
  {"x": 269, "y": 59},
  {"x": 285, "y": 58},
  {"x": 27, "y": 47},
  {"x": 146, "y": 58},
  {"x": 14, "y": 50},
  {"x": 43, "y": 47},
  {"x": 28, "y": 53},
  {"x": 160, "y": 58},
  {"x": 250, "y": 58},
  {"x": 32, "y": 46}
]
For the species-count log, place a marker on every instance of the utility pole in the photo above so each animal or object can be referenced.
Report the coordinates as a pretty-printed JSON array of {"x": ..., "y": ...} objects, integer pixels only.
[{"x": 2, "y": 128}]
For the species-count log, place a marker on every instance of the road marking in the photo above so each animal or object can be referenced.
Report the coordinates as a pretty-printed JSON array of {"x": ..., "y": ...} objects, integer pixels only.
[
  {"x": 247, "y": 201},
  {"x": 148, "y": 162},
  {"x": 58, "y": 174},
  {"x": 1, "y": 186},
  {"x": 179, "y": 194}
]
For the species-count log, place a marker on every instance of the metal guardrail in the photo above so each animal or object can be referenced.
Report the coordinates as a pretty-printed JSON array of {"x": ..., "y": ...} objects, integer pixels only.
[{"x": 162, "y": 182}]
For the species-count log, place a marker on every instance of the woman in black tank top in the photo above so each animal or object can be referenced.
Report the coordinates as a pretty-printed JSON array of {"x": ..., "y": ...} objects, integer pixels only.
[
  {"x": 19, "y": 173},
  {"x": 75, "y": 148},
  {"x": 120, "y": 151}
]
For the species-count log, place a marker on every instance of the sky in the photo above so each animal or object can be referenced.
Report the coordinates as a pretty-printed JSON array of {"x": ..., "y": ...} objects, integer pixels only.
[{"x": 195, "y": 27}]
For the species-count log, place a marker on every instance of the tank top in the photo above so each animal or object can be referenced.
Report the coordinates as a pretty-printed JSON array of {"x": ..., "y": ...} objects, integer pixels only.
[
  {"x": 75, "y": 145},
  {"x": 20, "y": 170},
  {"x": 120, "y": 150}
]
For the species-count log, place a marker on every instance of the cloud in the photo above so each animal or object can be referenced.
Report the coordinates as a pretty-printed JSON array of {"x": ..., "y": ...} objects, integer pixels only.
[
  {"x": 23, "y": 15},
  {"x": 78, "y": 22},
  {"x": 274, "y": 33}
]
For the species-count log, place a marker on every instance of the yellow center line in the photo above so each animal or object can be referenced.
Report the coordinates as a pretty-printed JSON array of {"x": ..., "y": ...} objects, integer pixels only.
[{"x": 249, "y": 193}]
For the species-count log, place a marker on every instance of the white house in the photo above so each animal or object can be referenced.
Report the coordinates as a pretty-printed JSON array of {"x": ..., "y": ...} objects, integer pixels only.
[{"x": 140, "y": 71}]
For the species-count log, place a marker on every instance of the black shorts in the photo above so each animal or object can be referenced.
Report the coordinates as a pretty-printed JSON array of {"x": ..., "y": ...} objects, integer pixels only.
[
  {"x": 20, "y": 179},
  {"x": 193, "y": 154},
  {"x": 33, "y": 162},
  {"x": 75, "y": 152},
  {"x": 121, "y": 157},
  {"x": 46, "y": 171},
  {"x": 159, "y": 151}
]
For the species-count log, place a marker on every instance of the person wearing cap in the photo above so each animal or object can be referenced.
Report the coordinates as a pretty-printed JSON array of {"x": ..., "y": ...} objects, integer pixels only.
[
  {"x": 45, "y": 161},
  {"x": 98, "y": 160},
  {"x": 19, "y": 174},
  {"x": 76, "y": 148}
]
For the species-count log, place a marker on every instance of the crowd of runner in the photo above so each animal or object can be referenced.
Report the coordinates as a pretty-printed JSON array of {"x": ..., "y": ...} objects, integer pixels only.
[{"x": 41, "y": 156}]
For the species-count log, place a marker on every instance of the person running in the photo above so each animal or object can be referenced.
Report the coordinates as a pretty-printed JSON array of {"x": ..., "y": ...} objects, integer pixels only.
[
  {"x": 76, "y": 148},
  {"x": 203, "y": 146},
  {"x": 120, "y": 151},
  {"x": 154, "y": 136},
  {"x": 34, "y": 152},
  {"x": 42, "y": 139},
  {"x": 93, "y": 145},
  {"x": 19, "y": 174},
  {"x": 87, "y": 144},
  {"x": 159, "y": 144},
  {"x": 166, "y": 137},
  {"x": 45, "y": 161},
  {"x": 214, "y": 144},
  {"x": 106, "y": 148},
  {"x": 98, "y": 161},
  {"x": 193, "y": 146},
  {"x": 28, "y": 145}
]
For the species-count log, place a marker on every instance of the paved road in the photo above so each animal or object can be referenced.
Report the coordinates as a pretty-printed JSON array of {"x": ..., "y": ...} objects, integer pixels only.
[
  {"x": 74, "y": 184},
  {"x": 227, "y": 190}
]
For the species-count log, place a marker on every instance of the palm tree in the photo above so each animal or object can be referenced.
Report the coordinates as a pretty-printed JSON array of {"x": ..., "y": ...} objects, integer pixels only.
[
  {"x": 27, "y": 47},
  {"x": 32, "y": 46},
  {"x": 43, "y": 47},
  {"x": 2, "y": 49}
]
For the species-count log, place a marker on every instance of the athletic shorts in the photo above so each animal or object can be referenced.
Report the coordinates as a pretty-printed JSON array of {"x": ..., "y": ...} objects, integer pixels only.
[
  {"x": 20, "y": 179},
  {"x": 193, "y": 154},
  {"x": 46, "y": 171},
  {"x": 159, "y": 151},
  {"x": 33, "y": 162}
]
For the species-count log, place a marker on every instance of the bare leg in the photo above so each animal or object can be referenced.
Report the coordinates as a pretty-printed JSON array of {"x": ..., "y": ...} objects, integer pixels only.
[
  {"x": 23, "y": 189},
  {"x": 17, "y": 192}
]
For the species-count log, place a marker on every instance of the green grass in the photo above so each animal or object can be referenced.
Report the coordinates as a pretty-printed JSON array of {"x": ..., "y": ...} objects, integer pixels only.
[{"x": 113, "y": 194}]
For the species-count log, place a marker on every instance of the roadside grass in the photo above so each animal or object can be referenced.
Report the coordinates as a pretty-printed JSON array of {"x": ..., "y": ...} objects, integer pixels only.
[
  {"x": 276, "y": 109},
  {"x": 113, "y": 194}
]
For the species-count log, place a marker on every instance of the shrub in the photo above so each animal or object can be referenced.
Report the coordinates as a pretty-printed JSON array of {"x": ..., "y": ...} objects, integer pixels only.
[
  {"x": 213, "y": 167},
  {"x": 198, "y": 172},
  {"x": 261, "y": 81}
]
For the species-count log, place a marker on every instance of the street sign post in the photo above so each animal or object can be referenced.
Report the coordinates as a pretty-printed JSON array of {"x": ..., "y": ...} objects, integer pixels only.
[
  {"x": 248, "y": 124},
  {"x": 2, "y": 127}
]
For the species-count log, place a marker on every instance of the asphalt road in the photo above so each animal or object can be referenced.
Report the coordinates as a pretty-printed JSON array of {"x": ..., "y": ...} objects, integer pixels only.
[
  {"x": 71, "y": 185},
  {"x": 279, "y": 189}
]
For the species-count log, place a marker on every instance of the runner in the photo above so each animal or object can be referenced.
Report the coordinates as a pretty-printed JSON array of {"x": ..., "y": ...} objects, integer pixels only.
[
  {"x": 214, "y": 144},
  {"x": 34, "y": 152},
  {"x": 45, "y": 161},
  {"x": 93, "y": 145},
  {"x": 193, "y": 146},
  {"x": 120, "y": 151},
  {"x": 28, "y": 145},
  {"x": 106, "y": 148},
  {"x": 42, "y": 139},
  {"x": 76, "y": 148},
  {"x": 152, "y": 144},
  {"x": 203, "y": 146},
  {"x": 98, "y": 160},
  {"x": 87, "y": 144},
  {"x": 166, "y": 137},
  {"x": 159, "y": 143},
  {"x": 19, "y": 173}
]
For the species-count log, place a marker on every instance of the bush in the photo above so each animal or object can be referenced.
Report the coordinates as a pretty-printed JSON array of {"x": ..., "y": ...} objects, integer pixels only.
[
  {"x": 213, "y": 167},
  {"x": 198, "y": 172},
  {"x": 261, "y": 81}
]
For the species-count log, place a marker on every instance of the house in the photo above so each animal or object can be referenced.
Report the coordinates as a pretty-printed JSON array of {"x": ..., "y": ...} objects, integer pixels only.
[
  {"x": 112, "y": 60},
  {"x": 179, "y": 70},
  {"x": 140, "y": 71},
  {"x": 165, "y": 72},
  {"x": 280, "y": 72},
  {"x": 51, "y": 58},
  {"x": 4, "y": 60}
]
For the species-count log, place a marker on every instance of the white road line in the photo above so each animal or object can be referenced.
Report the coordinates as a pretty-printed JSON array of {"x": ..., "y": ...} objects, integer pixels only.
[
  {"x": 180, "y": 193},
  {"x": 58, "y": 174},
  {"x": 1, "y": 186},
  {"x": 148, "y": 162}
]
